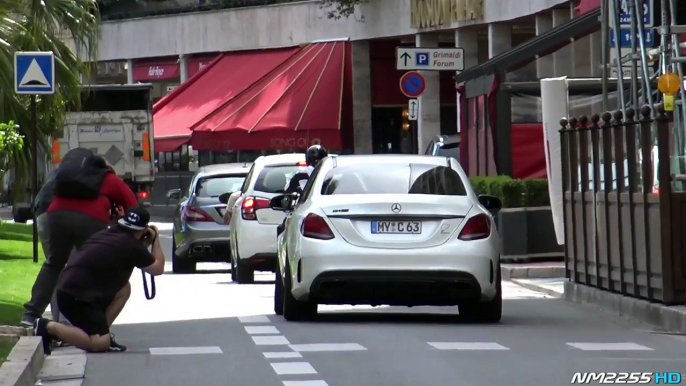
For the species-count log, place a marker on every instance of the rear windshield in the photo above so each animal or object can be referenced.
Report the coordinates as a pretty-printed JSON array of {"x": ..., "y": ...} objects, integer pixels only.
[
  {"x": 215, "y": 186},
  {"x": 275, "y": 179},
  {"x": 394, "y": 179}
]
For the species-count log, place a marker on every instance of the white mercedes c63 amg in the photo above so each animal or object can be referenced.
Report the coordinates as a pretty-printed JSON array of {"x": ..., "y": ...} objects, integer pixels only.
[{"x": 399, "y": 230}]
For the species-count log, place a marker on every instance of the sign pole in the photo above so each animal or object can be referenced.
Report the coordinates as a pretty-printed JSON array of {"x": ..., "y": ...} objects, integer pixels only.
[
  {"x": 34, "y": 74},
  {"x": 34, "y": 183}
]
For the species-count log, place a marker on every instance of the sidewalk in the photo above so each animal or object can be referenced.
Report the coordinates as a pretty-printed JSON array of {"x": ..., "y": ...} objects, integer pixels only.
[
  {"x": 551, "y": 286},
  {"x": 65, "y": 367}
]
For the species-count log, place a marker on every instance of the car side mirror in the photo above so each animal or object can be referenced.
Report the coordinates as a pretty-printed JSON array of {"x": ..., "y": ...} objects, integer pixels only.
[
  {"x": 283, "y": 202},
  {"x": 491, "y": 203},
  {"x": 224, "y": 198},
  {"x": 174, "y": 194}
]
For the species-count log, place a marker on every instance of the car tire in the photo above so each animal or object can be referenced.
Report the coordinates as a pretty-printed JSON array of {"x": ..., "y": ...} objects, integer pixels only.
[
  {"x": 233, "y": 270},
  {"x": 179, "y": 265},
  {"x": 278, "y": 292},
  {"x": 293, "y": 309},
  {"x": 486, "y": 312},
  {"x": 244, "y": 274}
]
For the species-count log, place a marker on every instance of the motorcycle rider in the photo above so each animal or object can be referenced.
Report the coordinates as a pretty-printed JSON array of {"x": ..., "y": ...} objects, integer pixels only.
[{"x": 313, "y": 155}]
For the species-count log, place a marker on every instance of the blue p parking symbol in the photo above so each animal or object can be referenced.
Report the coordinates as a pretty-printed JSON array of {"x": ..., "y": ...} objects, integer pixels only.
[{"x": 422, "y": 58}]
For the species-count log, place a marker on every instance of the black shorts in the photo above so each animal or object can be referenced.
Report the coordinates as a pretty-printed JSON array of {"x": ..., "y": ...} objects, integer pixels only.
[{"x": 89, "y": 317}]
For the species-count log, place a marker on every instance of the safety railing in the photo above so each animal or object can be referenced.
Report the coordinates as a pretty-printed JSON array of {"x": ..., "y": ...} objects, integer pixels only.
[{"x": 624, "y": 220}]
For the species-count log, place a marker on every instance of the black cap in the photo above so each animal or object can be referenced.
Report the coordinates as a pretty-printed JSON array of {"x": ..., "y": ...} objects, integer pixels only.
[{"x": 135, "y": 218}]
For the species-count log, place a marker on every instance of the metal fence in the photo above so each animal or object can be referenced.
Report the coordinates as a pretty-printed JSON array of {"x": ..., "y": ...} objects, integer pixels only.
[{"x": 623, "y": 212}]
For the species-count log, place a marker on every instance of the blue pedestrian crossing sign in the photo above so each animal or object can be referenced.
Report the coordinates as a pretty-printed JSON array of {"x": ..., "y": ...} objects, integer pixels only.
[{"x": 34, "y": 73}]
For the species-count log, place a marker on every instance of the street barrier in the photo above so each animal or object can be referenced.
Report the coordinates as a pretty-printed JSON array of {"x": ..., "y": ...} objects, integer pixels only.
[{"x": 623, "y": 231}]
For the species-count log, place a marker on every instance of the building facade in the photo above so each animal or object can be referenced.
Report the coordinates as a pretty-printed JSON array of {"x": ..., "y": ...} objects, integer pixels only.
[{"x": 169, "y": 50}]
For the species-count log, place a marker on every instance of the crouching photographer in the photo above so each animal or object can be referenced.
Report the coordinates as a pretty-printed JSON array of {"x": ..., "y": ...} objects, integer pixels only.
[{"x": 94, "y": 286}]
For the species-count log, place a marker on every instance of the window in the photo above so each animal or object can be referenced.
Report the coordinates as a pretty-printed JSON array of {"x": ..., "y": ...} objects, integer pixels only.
[
  {"x": 274, "y": 179},
  {"x": 394, "y": 179},
  {"x": 215, "y": 186},
  {"x": 173, "y": 161},
  {"x": 244, "y": 187},
  {"x": 307, "y": 192}
]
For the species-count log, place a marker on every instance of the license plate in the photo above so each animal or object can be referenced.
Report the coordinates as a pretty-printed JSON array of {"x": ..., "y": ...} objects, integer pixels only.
[{"x": 397, "y": 227}]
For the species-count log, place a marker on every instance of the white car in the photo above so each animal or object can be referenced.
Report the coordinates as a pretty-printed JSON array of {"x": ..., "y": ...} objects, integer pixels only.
[
  {"x": 253, "y": 223},
  {"x": 399, "y": 230}
]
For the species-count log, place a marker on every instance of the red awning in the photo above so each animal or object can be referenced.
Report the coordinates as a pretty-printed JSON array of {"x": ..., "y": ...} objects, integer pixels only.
[
  {"x": 196, "y": 64},
  {"x": 296, "y": 105},
  {"x": 215, "y": 85}
]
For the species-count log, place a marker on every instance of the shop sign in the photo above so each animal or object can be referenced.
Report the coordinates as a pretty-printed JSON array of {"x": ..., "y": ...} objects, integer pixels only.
[
  {"x": 438, "y": 13},
  {"x": 159, "y": 71}
]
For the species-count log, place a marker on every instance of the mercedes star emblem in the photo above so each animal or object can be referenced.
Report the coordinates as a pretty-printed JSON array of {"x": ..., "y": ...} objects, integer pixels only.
[{"x": 396, "y": 208}]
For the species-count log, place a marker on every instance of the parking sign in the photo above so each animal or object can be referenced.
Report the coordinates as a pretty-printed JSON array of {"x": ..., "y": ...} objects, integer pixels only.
[
  {"x": 422, "y": 58},
  {"x": 625, "y": 14}
]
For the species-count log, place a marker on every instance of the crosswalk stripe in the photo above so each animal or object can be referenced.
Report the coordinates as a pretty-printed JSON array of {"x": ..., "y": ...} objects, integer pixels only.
[
  {"x": 467, "y": 346},
  {"x": 625, "y": 346}
]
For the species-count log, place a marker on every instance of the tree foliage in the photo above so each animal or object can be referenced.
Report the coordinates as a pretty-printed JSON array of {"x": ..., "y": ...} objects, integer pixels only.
[
  {"x": 11, "y": 142},
  {"x": 337, "y": 9},
  {"x": 46, "y": 25}
]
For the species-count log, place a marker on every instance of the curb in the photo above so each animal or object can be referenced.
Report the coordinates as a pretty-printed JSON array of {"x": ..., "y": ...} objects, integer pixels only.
[
  {"x": 513, "y": 271},
  {"x": 24, "y": 363},
  {"x": 667, "y": 319},
  {"x": 538, "y": 288}
]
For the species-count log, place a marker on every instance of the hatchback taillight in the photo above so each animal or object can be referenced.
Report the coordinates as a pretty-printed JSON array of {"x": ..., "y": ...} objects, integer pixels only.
[
  {"x": 192, "y": 214},
  {"x": 476, "y": 228},
  {"x": 251, "y": 205},
  {"x": 315, "y": 227}
]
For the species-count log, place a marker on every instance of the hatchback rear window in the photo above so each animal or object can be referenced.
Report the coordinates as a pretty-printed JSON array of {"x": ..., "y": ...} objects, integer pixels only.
[
  {"x": 215, "y": 186},
  {"x": 394, "y": 179},
  {"x": 275, "y": 179}
]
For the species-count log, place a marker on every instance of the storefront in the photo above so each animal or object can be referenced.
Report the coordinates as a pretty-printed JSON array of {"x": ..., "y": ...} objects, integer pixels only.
[{"x": 163, "y": 73}]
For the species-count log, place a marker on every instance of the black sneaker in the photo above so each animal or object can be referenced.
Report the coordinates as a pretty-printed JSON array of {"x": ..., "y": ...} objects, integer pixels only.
[
  {"x": 114, "y": 346},
  {"x": 40, "y": 328}
]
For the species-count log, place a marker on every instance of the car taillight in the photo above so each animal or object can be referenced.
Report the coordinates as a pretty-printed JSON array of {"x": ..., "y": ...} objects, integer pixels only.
[
  {"x": 194, "y": 214},
  {"x": 316, "y": 227},
  {"x": 143, "y": 195},
  {"x": 476, "y": 228},
  {"x": 251, "y": 205},
  {"x": 656, "y": 190}
]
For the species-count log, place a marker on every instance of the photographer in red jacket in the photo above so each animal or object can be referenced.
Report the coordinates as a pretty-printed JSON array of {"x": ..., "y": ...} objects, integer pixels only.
[{"x": 84, "y": 193}]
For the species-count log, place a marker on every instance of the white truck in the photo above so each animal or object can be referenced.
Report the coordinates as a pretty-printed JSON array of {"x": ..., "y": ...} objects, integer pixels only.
[{"x": 114, "y": 121}]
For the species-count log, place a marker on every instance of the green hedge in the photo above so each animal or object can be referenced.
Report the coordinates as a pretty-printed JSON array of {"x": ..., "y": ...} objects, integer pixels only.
[{"x": 514, "y": 193}]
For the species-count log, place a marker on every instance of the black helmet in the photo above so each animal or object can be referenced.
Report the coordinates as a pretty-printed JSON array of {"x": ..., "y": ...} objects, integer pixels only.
[{"x": 314, "y": 154}]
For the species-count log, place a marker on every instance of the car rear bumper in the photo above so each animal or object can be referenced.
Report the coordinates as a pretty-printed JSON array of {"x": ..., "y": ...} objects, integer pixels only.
[
  {"x": 428, "y": 276},
  {"x": 430, "y": 288},
  {"x": 204, "y": 244}
]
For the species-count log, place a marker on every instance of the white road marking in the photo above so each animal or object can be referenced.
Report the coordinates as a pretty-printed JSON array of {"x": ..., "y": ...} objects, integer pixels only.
[
  {"x": 257, "y": 330},
  {"x": 270, "y": 340},
  {"x": 185, "y": 350},
  {"x": 327, "y": 347},
  {"x": 627, "y": 346},
  {"x": 467, "y": 346},
  {"x": 282, "y": 355},
  {"x": 293, "y": 368},
  {"x": 254, "y": 319},
  {"x": 305, "y": 383}
]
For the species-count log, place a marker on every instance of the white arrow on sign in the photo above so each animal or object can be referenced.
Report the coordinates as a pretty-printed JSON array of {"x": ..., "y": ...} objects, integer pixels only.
[{"x": 413, "y": 110}]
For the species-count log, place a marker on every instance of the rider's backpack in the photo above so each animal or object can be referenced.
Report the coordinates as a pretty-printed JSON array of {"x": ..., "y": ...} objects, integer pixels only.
[{"x": 80, "y": 174}]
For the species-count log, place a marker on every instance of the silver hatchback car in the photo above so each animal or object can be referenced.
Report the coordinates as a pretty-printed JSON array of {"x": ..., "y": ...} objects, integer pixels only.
[{"x": 199, "y": 232}]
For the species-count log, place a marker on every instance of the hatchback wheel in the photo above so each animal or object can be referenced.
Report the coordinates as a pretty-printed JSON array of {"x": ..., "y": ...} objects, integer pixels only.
[
  {"x": 293, "y": 309},
  {"x": 486, "y": 312},
  {"x": 180, "y": 265},
  {"x": 278, "y": 292}
]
